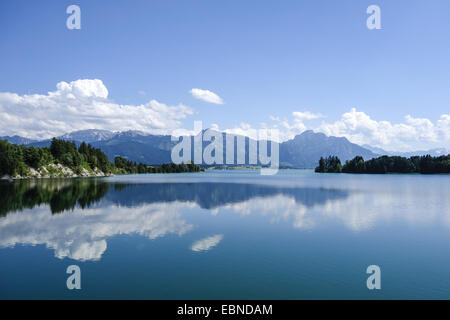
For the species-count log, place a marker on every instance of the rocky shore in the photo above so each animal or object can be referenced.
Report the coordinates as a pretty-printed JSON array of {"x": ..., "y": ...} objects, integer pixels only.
[{"x": 53, "y": 170}]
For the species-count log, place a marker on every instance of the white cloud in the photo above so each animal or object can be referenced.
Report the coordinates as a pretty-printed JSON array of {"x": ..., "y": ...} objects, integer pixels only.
[
  {"x": 413, "y": 134},
  {"x": 279, "y": 207},
  {"x": 83, "y": 234},
  {"x": 207, "y": 243},
  {"x": 410, "y": 135},
  {"x": 358, "y": 211},
  {"x": 244, "y": 129},
  {"x": 83, "y": 104},
  {"x": 300, "y": 116},
  {"x": 206, "y": 95},
  {"x": 289, "y": 130},
  {"x": 286, "y": 129}
]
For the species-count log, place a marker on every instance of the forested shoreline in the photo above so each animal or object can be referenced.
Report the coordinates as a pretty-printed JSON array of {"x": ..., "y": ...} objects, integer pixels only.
[
  {"x": 65, "y": 159},
  {"x": 386, "y": 164}
]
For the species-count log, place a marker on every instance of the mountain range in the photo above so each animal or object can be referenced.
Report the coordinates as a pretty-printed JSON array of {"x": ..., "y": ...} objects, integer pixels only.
[
  {"x": 303, "y": 151},
  {"x": 18, "y": 140},
  {"x": 436, "y": 152}
]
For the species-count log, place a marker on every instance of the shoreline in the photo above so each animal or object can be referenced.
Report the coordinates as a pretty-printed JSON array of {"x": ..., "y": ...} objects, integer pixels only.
[{"x": 52, "y": 171}]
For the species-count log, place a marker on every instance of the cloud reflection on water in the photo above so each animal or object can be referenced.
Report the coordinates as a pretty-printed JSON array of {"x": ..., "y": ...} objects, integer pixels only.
[
  {"x": 82, "y": 234},
  {"x": 206, "y": 244},
  {"x": 84, "y": 223}
]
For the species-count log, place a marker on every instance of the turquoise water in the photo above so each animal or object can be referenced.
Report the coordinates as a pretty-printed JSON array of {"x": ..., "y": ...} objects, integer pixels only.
[{"x": 227, "y": 235}]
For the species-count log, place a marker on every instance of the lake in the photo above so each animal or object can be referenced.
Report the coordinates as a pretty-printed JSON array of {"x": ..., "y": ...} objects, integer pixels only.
[{"x": 227, "y": 235}]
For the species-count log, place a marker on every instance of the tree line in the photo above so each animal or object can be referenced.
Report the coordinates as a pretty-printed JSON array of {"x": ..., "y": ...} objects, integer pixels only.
[
  {"x": 61, "y": 195},
  {"x": 128, "y": 166},
  {"x": 386, "y": 164},
  {"x": 18, "y": 159}
]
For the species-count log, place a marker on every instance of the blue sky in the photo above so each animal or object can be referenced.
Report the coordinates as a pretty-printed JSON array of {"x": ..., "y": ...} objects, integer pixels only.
[{"x": 263, "y": 58}]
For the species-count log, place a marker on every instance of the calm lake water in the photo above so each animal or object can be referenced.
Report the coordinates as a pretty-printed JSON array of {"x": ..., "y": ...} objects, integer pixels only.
[{"x": 227, "y": 235}]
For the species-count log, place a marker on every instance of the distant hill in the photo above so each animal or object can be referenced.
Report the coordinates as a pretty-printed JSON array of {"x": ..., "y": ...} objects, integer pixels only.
[
  {"x": 17, "y": 139},
  {"x": 432, "y": 152},
  {"x": 301, "y": 152},
  {"x": 305, "y": 150},
  {"x": 135, "y": 146},
  {"x": 132, "y": 145},
  {"x": 88, "y": 136}
]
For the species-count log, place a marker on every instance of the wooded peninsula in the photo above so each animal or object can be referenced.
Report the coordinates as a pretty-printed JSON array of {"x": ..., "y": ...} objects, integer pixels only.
[
  {"x": 65, "y": 159},
  {"x": 386, "y": 164}
]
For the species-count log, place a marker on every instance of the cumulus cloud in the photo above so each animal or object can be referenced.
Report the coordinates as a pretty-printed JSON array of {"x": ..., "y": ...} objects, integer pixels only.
[
  {"x": 83, "y": 104},
  {"x": 300, "y": 116},
  {"x": 359, "y": 211},
  {"x": 288, "y": 129},
  {"x": 285, "y": 129},
  {"x": 244, "y": 129},
  {"x": 83, "y": 234},
  {"x": 206, "y": 95},
  {"x": 207, "y": 244},
  {"x": 412, "y": 134},
  {"x": 279, "y": 208}
]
